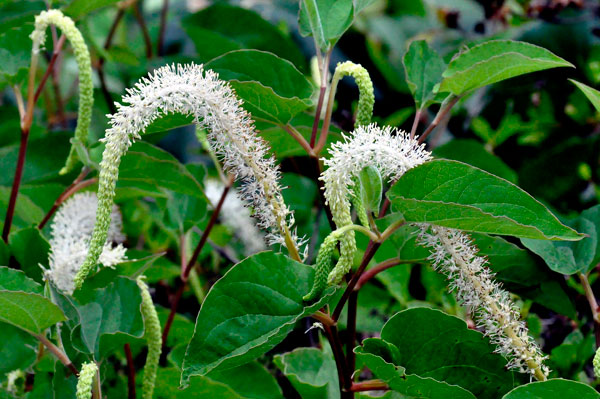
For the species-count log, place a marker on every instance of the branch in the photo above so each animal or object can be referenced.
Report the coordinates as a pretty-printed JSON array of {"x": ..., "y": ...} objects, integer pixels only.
[
  {"x": 139, "y": 16},
  {"x": 162, "y": 29},
  {"x": 589, "y": 294},
  {"x": 77, "y": 185},
  {"x": 130, "y": 372},
  {"x": 372, "y": 272},
  {"x": 444, "y": 109},
  {"x": 56, "y": 351},
  {"x": 370, "y": 385},
  {"x": 324, "y": 74}
]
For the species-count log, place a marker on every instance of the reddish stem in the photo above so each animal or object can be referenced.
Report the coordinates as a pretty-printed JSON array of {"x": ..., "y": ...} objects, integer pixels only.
[
  {"x": 188, "y": 268},
  {"x": 371, "y": 385},
  {"x": 369, "y": 253},
  {"x": 10, "y": 211},
  {"x": 372, "y": 272},
  {"x": 139, "y": 16},
  {"x": 55, "y": 53},
  {"x": 130, "y": 372},
  {"x": 162, "y": 29},
  {"x": 77, "y": 185}
]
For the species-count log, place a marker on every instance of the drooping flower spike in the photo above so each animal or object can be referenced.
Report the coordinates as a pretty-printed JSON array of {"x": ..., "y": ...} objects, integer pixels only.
[
  {"x": 366, "y": 98},
  {"x": 389, "y": 150},
  {"x": 71, "y": 231},
  {"x": 454, "y": 254},
  {"x": 190, "y": 90},
  {"x": 82, "y": 56},
  {"x": 153, "y": 337}
]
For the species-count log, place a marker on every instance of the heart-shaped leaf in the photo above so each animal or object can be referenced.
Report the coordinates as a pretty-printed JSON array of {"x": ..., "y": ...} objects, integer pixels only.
[{"x": 460, "y": 196}]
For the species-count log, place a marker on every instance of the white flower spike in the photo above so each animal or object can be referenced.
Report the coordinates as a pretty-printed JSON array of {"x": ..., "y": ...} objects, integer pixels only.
[
  {"x": 454, "y": 254},
  {"x": 190, "y": 90},
  {"x": 390, "y": 151},
  {"x": 71, "y": 231}
]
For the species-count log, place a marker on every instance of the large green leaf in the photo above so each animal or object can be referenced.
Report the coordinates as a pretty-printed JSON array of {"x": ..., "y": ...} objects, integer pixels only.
[
  {"x": 26, "y": 211},
  {"x": 251, "y": 380},
  {"x": 15, "y": 50},
  {"x": 30, "y": 312},
  {"x": 568, "y": 257},
  {"x": 326, "y": 20},
  {"x": 16, "y": 280},
  {"x": 553, "y": 389},
  {"x": 147, "y": 170},
  {"x": 460, "y": 196},
  {"x": 494, "y": 61},
  {"x": 97, "y": 313},
  {"x": 312, "y": 372},
  {"x": 474, "y": 153},
  {"x": 220, "y": 28},
  {"x": 271, "y": 87},
  {"x": 249, "y": 311},
  {"x": 592, "y": 94},
  {"x": 381, "y": 358},
  {"x": 450, "y": 352},
  {"x": 18, "y": 349},
  {"x": 423, "y": 67}
]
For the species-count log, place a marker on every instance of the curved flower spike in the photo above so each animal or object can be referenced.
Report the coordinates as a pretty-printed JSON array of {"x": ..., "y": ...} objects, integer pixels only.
[
  {"x": 153, "y": 337},
  {"x": 86, "y": 87},
  {"x": 389, "y": 150},
  {"x": 366, "y": 97},
  {"x": 86, "y": 380},
  {"x": 190, "y": 90},
  {"x": 454, "y": 254},
  {"x": 596, "y": 363}
]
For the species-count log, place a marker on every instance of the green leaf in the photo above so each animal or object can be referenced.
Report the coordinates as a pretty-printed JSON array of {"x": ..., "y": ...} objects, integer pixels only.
[
  {"x": 473, "y": 153},
  {"x": 220, "y": 28},
  {"x": 371, "y": 189},
  {"x": 15, "y": 50},
  {"x": 251, "y": 380},
  {"x": 4, "y": 253},
  {"x": 312, "y": 372},
  {"x": 78, "y": 8},
  {"x": 423, "y": 67},
  {"x": 16, "y": 280},
  {"x": 147, "y": 170},
  {"x": 30, "y": 312},
  {"x": 182, "y": 211},
  {"x": 450, "y": 352},
  {"x": 271, "y": 87},
  {"x": 26, "y": 211},
  {"x": 199, "y": 387},
  {"x": 572, "y": 257},
  {"x": 18, "y": 349},
  {"x": 455, "y": 195},
  {"x": 380, "y": 357},
  {"x": 16, "y": 13},
  {"x": 31, "y": 250},
  {"x": 249, "y": 311},
  {"x": 592, "y": 94},
  {"x": 97, "y": 313},
  {"x": 553, "y": 389},
  {"x": 494, "y": 61},
  {"x": 326, "y": 20}
]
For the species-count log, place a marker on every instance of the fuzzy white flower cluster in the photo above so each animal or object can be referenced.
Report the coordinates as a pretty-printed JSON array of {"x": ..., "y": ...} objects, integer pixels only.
[
  {"x": 71, "y": 230},
  {"x": 389, "y": 150},
  {"x": 454, "y": 254},
  {"x": 190, "y": 90},
  {"x": 236, "y": 216}
]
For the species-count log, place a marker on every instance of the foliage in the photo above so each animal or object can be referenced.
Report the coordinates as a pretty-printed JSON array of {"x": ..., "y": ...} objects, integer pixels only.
[{"x": 429, "y": 228}]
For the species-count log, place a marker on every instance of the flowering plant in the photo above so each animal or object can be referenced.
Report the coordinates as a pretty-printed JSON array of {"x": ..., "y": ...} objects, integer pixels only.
[{"x": 250, "y": 220}]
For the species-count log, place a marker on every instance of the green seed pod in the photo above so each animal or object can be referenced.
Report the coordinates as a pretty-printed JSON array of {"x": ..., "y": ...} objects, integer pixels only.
[
  {"x": 153, "y": 337},
  {"x": 366, "y": 98},
  {"x": 86, "y": 87},
  {"x": 86, "y": 380},
  {"x": 371, "y": 189}
]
